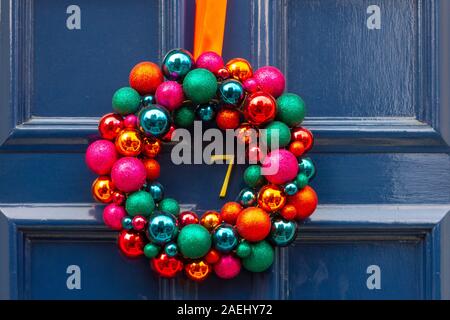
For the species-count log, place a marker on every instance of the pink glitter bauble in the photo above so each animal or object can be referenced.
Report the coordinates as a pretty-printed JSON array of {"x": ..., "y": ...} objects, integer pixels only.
[
  {"x": 101, "y": 156},
  {"x": 128, "y": 174},
  {"x": 113, "y": 215},
  {"x": 228, "y": 267},
  {"x": 130, "y": 121},
  {"x": 170, "y": 95},
  {"x": 270, "y": 80},
  {"x": 210, "y": 61},
  {"x": 250, "y": 85},
  {"x": 280, "y": 166}
]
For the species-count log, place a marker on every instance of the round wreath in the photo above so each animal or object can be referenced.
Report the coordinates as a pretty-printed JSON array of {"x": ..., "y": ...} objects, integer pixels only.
[{"x": 147, "y": 112}]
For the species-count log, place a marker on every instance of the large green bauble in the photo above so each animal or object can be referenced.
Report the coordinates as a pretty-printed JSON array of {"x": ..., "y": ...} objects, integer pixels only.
[
  {"x": 169, "y": 205},
  {"x": 194, "y": 241},
  {"x": 184, "y": 117},
  {"x": 261, "y": 257},
  {"x": 291, "y": 109},
  {"x": 140, "y": 203},
  {"x": 274, "y": 128},
  {"x": 200, "y": 86},
  {"x": 252, "y": 176},
  {"x": 126, "y": 100}
]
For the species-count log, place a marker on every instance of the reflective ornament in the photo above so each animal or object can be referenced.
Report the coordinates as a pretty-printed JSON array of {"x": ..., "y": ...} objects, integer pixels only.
[
  {"x": 128, "y": 174},
  {"x": 206, "y": 112},
  {"x": 140, "y": 203},
  {"x": 148, "y": 100},
  {"x": 231, "y": 92},
  {"x": 197, "y": 271},
  {"x": 177, "y": 63},
  {"x": 280, "y": 166},
  {"x": 101, "y": 156},
  {"x": 169, "y": 205},
  {"x": 128, "y": 143},
  {"x": 168, "y": 136},
  {"x": 283, "y": 232},
  {"x": 253, "y": 224},
  {"x": 271, "y": 198},
  {"x": 145, "y": 77},
  {"x": 270, "y": 80},
  {"x": 200, "y": 86},
  {"x": 156, "y": 190},
  {"x": 118, "y": 198},
  {"x": 276, "y": 135},
  {"x": 246, "y": 134},
  {"x": 170, "y": 95},
  {"x": 154, "y": 121},
  {"x": 113, "y": 215},
  {"x": 304, "y": 136},
  {"x": 152, "y": 168},
  {"x": 171, "y": 249},
  {"x": 261, "y": 257},
  {"x": 306, "y": 166},
  {"x": 184, "y": 117},
  {"x": 253, "y": 177},
  {"x": 166, "y": 266},
  {"x": 127, "y": 223},
  {"x": 301, "y": 180},
  {"x": 225, "y": 238},
  {"x": 194, "y": 241},
  {"x": 103, "y": 189},
  {"x": 110, "y": 125},
  {"x": 227, "y": 267},
  {"x": 291, "y": 109},
  {"x": 187, "y": 217},
  {"x": 138, "y": 223},
  {"x": 162, "y": 228},
  {"x": 290, "y": 189},
  {"x": 230, "y": 212},
  {"x": 210, "y": 220},
  {"x": 210, "y": 61},
  {"x": 151, "y": 147},
  {"x": 247, "y": 197},
  {"x": 304, "y": 201},
  {"x": 130, "y": 121},
  {"x": 255, "y": 154},
  {"x": 297, "y": 148},
  {"x": 212, "y": 256},
  {"x": 260, "y": 108},
  {"x": 244, "y": 249},
  {"x": 126, "y": 100},
  {"x": 131, "y": 243},
  {"x": 223, "y": 74},
  {"x": 240, "y": 69},
  {"x": 228, "y": 119},
  {"x": 288, "y": 212},
  {"x": 151, "y": 250}
]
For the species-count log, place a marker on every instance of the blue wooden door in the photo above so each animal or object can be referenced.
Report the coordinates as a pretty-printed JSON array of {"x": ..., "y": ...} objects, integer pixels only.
[{"x": 375, "y": 76}]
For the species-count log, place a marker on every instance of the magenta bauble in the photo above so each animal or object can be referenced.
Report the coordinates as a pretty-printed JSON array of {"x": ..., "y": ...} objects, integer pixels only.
[
  {"x": 130, "y": 121},
  {"x": 227, "y": 267},
  {"x": 280, "y": 166},
  {"x": 128, "y": 174},
  {"x": 250, "y": 85},
  {"x": 113, "y": 215},
  {"x": 270, "y": 80},
  {"x": 170, "y": 95},
  {"x": 210, "y": 61},
  {"x": 101, "y": 156}
]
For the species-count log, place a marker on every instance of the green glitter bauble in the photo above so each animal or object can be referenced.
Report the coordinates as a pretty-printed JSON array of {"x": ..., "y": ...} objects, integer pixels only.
[
  {"x": 200, "y": 86},
  {"x": 184, "y": 117},
  {"x": 169, "y": 205},
  {"x": 151, "y": 250},
  {"x": 243, "y": 250},
  {"x": 274, "y": 128},
  {"x": 261, "y": 257},
  {"x": 291, "y": 109},
  {"x": 126, "y": 100},
  {"x": 252, "y": 176},
  {"x": 301, "y": 180},
  {"x": 194, "y": 241},
  {"x": 140, "y": 203}
]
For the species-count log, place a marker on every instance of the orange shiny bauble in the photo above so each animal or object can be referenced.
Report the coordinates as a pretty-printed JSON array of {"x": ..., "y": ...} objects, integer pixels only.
[
  {"x": 152, "y": 168},
  {"x": 197, "y": 271},
  {"x": 212, "y": 256},
  {"x": 210, "y": 220},
  {"x": 288, "y": 212},
  {"x": 303, "y": 135},
  {"x": 129, "y": 143},
  {"x": 246, "y": 134},
  {"x": 228, "y": 119},
  {"x": 260, "y": 108},
  {"x": 103, "y": 189},
  {"x": 305, "y": 202},
  {"x": 271, "y": 198},
  {"x": 297, "y": 148},
  {"x": 253, "y": 224},
  {"x": 145, "y": 77},
  {"x": 239, "y": 69},
  {"x": 230, "y": 212},
  {"x": 151, "y": 147}
]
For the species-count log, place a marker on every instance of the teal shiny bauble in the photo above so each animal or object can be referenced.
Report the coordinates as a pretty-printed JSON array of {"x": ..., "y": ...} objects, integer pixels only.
[
  {"x": 291, "y": 109},
  {"x": 231, "y": 92},
  {"x": 156, "y": 190},
  {"x": 154, "y": 121},
  {"x": 162, "y": 228},
  {"x": 306, "y": 166},
  {"x": 177, "y": 63},
  {"x": 244, "y": 249},
  {"x": 148, "y": 100},
  {"x": 126, "y": 100},
  {"x": 151, "y": 250},
  {"x": 184, "y": 117},
  {"x": 127, "y": 223},
  {"x": 247, "y": 197},
  {"x": 225, "y": 238},
  {"x": 140, "y": 203},
  {"x": 200, "y": 86},
  {"x": 276, "y": 129},
  {"x": 253, "y": 177},
  {"x": 206, "y": 112},
  {"x": 283, "y": 232},
  {"x": 194, "y": 241},
  {"x": 290, "y": 189},
  {"x": 261, "y": 257},
  {"x": 301, "y": 180},
  {"x": 171, "y": 249},
  {"x": 169, "y": 205}
]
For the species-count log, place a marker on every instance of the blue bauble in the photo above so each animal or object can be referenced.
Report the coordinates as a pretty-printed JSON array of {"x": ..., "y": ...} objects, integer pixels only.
[
  {"x": 177, "y": 63},
  {"x": 206, "y": 112},
  {"x": 290, "y": 189},
  {"x": 247, "y": 197},
  {"x": 156, "y": 190},
  {"x": 306, "y": 166},
  {"x": 154, "y": 121},
  {"x": 283, "y": 232},
  {"x": 162, "y": 228},
  {"x": 225, "y": 238},
  {"x": 148, "y": 100},
  {"x": 231, "y": 92},
  {"x": 171, "y": 249},
  {"x": 127, "y": 223}
]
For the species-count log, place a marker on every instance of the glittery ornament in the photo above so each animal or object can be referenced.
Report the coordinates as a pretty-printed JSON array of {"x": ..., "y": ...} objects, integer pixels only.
[
  {"x": 288, "y": 212},
  {"x": 145, "y": 77},
  {"x": 184, "y": 117},
  {"x": 304, "y": 201},
  {"x": 140, "y": 203},
  {"x": 210, "y": 61},
  {"x": 291, "y": 109},
  {"x": 227, "y": 267},
  {"x": 130, "y": 121},
  {"x": 230, "y": 212},
  {"x": 250, "y": 85},
  {"x": 261, "y": 257},
  {"x": 113, "y": 215},
  {"x": 169, "y": 205},
  {"x": 128, "y": 174},
  {"x": 152, "y": 168},
  {"x": 276, "y": 131},
  {"x": 228, "y": 119},
  {"x": 253, "y": 224},
  {"x": 244, "y": 249},
  {"x": 101, "y": 156},
  {"x": 297, "y": 148},
  {"x": 212, "y": 256},
  {"x": 151, "y": 250},
  {"x": 270, "y": 80},
  {"x": 253, "y": 177},
  {"x": 280, "y": 166},
  {"x": 301, "y": 181},
  {"x": 170, "y": 95},
  {"x": 200, "y": 86},
  {"x": 126, "y": 100},
  {"x": 194, "y": 241}
]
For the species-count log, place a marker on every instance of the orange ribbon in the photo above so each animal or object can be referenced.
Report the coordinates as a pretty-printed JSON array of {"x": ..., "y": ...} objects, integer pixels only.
[{"x": 210, "y": 16}]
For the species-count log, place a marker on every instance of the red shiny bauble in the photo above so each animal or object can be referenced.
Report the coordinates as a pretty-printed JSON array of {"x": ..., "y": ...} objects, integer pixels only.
[
  {"x": 223, "y": 74},
  {"x": 145, "y": 77},
  {"x": 168, "y": 136},
  {"x": 118, "y": 198},
  {"x": 289, "y": 212},
  {"x": 260, "y": 108},
  {"x": 131, "y": 243},
  {"x": 305, "y": 202},
  {"x": 152, "y": 168},
  {"x": 228, "y": 119},
  {"x": 297, "y": 148},
  {"x": 166, "y": 266},
  {"x": 187, "y": 217},
  {"x": 212, "y": 256},
  {"x": 110, "y": 125},
  {"x": 152, "y": 147},
  {"x": 138, "y": 223},
  {"x": 255, "y": 154},
  {"x": 246, "y": 134},
  {"x": 304, "y": 136}
]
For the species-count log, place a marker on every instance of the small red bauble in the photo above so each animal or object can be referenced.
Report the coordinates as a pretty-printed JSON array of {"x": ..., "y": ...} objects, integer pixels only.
[
  {"x": 145, "y": 77},
  {"x": 246, "y": 134},
  {"x": 260, "y": 108},
  {"x": 253, "y": 224},
  {"x": 198, "y": 270},
  {"x": 228, "y": 119},
  {"x": 166, "y": 266},
  {"x": 152, "y": 147},
  {"x": 110, "y": 125},
  {"x": 168, "y": 135},
  {"x": 297, "y": 148},
  {"x": 131, "y": 243},
  {"x": 304, "y": 201},
  {"x": 230, "y": 212},
  {"x": 304, "y": 136},
  {"x": 187, "y": 217},
  {"x": 118, "y": 198},
  {"x": 138, "y": 223},
  {"x": 152, "y": 168},
  {"x": 212, "y": 256},
  {"x": 289, "y": 212}
]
